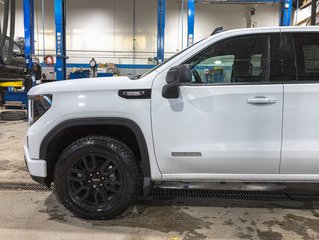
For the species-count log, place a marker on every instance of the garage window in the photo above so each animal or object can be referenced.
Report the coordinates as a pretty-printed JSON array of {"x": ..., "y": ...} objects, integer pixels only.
[
  {"x": 237, "y": 60},
  {"x": 307, "y": 56}
]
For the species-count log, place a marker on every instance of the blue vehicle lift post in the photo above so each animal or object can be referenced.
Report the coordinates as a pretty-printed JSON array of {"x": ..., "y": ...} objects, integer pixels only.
[
  {"x": 190, "y": 22},
  {"x": 28, "y": 10},
  {"x": 161, "y": 10},
  {"x": 59, "y": 6},
  {"x": 286, "y": 13},
  {"x": 59, "y": 12},
  {"x": 28, "y": 17}
]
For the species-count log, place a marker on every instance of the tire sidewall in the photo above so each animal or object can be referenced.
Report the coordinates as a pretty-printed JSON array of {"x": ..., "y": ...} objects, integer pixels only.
[{"x": 120, "y": 157}]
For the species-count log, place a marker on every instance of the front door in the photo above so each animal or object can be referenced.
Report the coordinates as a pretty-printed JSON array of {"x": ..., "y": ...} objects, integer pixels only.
[{"x": 228, "y": 120}]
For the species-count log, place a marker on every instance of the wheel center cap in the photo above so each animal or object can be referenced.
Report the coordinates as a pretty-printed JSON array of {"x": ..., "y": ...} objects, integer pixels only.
[{"x": 96, "y": 180}]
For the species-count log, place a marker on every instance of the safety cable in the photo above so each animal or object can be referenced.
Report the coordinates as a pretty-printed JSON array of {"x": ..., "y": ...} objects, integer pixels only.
[
  {"x": 12, "y": 29},
  {"x": 36, "y": 17},
  {"x": 5, "y": 24},
  {"x": 43, "y": 36},
  {"x": 8, "y": 9}
]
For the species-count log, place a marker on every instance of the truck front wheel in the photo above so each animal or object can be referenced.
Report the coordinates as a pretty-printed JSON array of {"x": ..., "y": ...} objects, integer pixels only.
[{"x": 97, "y": 177}]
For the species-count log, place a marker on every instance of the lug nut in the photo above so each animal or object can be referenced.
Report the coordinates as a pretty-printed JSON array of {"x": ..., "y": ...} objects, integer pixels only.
[
  {"x": 94, "y": 186},
  {"x": 91, "y": 174},
  {"x": 89, "y": 181},
  {"x": 97, "y": 173},
  {"x": 103, "y": 178},
  {"x": 101, "y": 184}
]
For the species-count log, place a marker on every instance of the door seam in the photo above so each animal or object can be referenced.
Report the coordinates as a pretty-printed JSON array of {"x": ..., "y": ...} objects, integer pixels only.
[{"x": 282, "y": 125}]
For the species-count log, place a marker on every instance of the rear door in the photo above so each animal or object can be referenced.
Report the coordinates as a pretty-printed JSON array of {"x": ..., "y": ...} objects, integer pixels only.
[{"x": 300, "y": 149}]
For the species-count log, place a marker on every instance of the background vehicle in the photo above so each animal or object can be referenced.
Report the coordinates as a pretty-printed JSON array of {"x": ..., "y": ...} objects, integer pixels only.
[
  {"x": 238, "y": 106},
  {"x": 14, "y": 70}
]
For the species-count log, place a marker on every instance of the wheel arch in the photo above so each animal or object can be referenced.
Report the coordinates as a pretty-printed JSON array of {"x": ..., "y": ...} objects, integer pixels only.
[{"x": 52, "y": 141}]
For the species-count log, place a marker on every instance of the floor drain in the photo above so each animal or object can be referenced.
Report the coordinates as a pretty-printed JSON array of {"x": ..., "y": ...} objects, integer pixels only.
[{"x": 21, "y": 186}]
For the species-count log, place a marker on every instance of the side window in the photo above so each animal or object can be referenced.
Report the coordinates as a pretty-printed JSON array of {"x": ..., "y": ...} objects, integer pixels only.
[
  {"x": 5, "y": 50},
  {"x": 307, "y": 56},
  {"x": 215, "y": 69},
  {"x": 256, "y": 61},
  {"x": 237, "y": 60},
  {"x": 16, "y": 49}
]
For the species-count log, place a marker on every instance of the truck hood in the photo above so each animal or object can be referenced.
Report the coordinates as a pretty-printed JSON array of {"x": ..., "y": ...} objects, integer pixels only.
[{"x": 90, "y": 84}]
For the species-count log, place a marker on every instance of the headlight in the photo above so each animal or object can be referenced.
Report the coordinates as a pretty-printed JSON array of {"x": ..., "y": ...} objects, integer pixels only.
[{"x": 38, "y": 105}]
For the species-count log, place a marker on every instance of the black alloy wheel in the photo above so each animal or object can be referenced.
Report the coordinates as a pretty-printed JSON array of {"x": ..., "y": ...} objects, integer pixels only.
[
  {"x": 95, "y": 182},
  {"x": 97, "y": 178}
]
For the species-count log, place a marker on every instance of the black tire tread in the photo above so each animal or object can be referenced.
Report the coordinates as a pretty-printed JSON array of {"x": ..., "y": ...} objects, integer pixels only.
[
  {"x": 13, "y": 115},
  {"x": 124, "y": 152}
]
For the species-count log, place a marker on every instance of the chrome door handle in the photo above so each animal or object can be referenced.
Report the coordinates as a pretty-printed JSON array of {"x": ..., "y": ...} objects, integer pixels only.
[{"x": 261, "y": 100}]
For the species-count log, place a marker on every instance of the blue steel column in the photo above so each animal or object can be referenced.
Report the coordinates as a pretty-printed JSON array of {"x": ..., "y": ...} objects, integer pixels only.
[
  {"x": 28, "y": 12},
  {"x": 286, "y": 13},
  {"x": 59, "y": 12},
  {"x": 161, "y": 9},
  {"x": 190, "y": 22}
]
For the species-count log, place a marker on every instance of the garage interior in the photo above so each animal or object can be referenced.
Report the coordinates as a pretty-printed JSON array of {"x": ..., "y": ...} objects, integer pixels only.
[{"x": 54, "y": 40}]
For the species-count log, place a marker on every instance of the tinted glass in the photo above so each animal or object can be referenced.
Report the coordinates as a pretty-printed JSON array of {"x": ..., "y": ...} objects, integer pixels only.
[
  {"x": 237, "y": 60},
  {"x": 307, "y": 56},
  {"x": 282, "y": 58},
  {"x": 276, "y": 58}
]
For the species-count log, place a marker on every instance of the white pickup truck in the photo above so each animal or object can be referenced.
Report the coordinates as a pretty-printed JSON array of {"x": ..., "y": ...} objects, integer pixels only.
[{"x": 241, "y": 105}]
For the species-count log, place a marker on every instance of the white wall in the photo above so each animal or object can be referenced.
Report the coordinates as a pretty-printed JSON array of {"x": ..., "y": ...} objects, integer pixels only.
[
  {"x": 302, "y": 16},
  {"x": 104, "y": 29}
]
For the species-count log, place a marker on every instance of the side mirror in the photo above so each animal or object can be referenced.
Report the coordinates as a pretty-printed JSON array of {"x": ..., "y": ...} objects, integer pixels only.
[
  {"x": 176, "y": 77},
  {"x": 17, "y": 54}
]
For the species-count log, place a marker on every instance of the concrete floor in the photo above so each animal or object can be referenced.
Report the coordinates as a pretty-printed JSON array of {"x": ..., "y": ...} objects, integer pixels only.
[
  {"x": 12, "y": 166},
  {"x": 37, "y": 215}
]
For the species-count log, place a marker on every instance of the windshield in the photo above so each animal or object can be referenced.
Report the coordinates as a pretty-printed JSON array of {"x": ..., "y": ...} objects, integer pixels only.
[{"x": 159, "y": 65}]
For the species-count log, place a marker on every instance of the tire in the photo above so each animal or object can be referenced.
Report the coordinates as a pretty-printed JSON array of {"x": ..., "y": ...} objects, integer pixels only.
[
  {"x": 13, "y": 115},
  {"x": 97, "y": 177}
]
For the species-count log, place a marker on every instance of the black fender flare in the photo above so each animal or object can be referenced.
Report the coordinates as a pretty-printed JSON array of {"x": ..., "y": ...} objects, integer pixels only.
[{"x": 101, "y": 121}]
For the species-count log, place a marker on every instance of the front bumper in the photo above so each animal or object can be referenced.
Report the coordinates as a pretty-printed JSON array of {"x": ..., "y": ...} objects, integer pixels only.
[{"x": 36, "y": 167}]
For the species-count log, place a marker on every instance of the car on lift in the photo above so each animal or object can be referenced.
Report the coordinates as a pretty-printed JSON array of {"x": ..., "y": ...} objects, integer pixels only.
[
  {"x": 241, "y": 105},
  {"x": 12, "y": 70}
]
